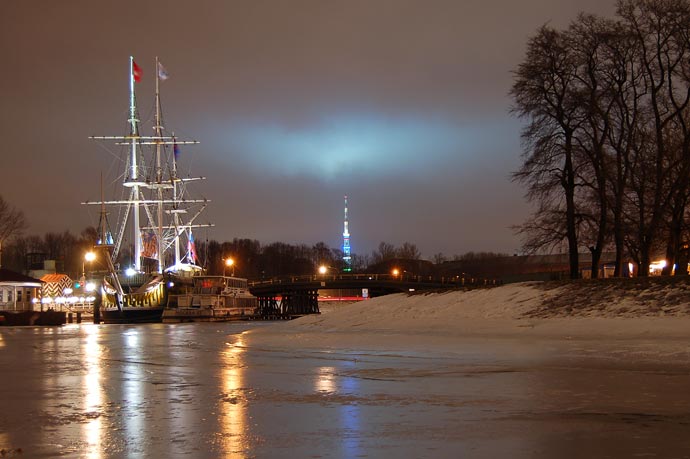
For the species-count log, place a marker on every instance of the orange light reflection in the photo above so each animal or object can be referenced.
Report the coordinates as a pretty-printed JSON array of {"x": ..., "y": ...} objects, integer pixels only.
[
  {"x": 233, "y": 409},
  {"x": 93, "y": 399},
  {"x": 325, "y": 380}
]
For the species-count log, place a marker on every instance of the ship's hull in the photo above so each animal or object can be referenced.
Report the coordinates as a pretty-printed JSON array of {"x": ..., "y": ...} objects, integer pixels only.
[
  {"x": 210, "y": 314},
  {"x": 135, "y": 315},
  {"x": 144, "y": 305}
]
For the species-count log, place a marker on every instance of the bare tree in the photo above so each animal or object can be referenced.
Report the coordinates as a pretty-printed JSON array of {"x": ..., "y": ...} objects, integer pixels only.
[
  {"x": 385, "y": 251},
  {"x": 12, "y": 223},
  {"x": 660, "y": 30},
  {"x": 624, "y": 135},
  {"x": 593, "y": 39},
  {"x": 439, "y": 258},
  {"x": 545, "y": 93},
  {"x": 408, "y": 251}
]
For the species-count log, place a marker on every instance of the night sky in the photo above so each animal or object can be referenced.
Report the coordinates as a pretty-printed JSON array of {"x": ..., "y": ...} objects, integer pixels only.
[{"x": 401, "y": 105}]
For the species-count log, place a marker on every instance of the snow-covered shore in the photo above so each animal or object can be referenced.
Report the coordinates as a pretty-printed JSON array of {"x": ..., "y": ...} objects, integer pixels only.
[{"x": 621, "y": 310}]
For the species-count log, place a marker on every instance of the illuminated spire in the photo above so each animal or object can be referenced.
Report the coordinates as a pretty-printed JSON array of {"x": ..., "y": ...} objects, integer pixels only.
[{"x": 347, "y": 259}]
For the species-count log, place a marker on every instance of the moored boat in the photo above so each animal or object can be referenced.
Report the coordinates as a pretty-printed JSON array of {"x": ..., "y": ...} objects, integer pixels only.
[{"x": 212, "y": 299}]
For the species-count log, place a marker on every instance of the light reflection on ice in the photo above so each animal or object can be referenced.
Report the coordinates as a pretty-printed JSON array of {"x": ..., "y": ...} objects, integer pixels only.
[
  {"x": 132, "y": 386},
  {"x": 93, "y": 399},
  {"x": 350, "y": 416},
  {"x": 328, "y": 381},
  {"x": 132, "y": 338},
  {"x": 325, "y": 380},
  {"x": 232, "y": 413}
]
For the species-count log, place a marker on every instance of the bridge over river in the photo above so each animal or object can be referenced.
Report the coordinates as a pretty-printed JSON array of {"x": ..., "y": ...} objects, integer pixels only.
[{"x": 292, "y": 296}]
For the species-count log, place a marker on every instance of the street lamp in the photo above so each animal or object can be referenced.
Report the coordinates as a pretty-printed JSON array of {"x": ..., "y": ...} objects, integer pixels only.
[
  {"x": 88, "y": 256},
  {"x": 323, "y": 269},
  {"x": 395, "y": 272},
  {"x": 228, "y": 263}
]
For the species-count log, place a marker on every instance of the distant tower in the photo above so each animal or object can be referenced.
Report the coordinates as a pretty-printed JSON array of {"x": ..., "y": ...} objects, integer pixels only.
[{"x": 347, "y": 258}]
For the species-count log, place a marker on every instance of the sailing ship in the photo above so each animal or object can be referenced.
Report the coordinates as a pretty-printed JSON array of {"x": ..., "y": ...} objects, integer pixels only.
[{"x": 155, "y": 211}]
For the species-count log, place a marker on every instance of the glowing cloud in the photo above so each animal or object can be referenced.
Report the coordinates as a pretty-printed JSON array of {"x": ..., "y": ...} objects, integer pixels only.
[{"x": 372, "y": 146}]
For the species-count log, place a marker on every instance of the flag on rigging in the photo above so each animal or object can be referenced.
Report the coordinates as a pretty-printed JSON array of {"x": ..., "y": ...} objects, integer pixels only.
[
  {"x": 136, "y": 72},
  {"x": 149, "y": 245},
  {"x": 176, "y": 150},
  {"x": 162, "y": 73},
  {"x": 191, "y": 248}
]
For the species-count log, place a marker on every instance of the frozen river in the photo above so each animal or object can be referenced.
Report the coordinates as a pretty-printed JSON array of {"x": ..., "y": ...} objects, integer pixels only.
[{"x": 210, "y": 390}]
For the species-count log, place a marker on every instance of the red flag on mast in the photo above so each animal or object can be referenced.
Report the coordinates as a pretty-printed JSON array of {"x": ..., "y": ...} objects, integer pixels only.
[{"x": 136, "y": 71}]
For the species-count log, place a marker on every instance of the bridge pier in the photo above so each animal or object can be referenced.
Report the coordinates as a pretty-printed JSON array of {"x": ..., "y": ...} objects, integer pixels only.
[
  {"x": 300, "y": 302},
  {"x": 269, "y": 307}
]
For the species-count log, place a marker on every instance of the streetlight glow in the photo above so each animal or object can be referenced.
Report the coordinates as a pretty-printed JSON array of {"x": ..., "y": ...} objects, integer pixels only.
[
  {"x": 88, "y": 256},
  {"x": 322, "y": 269},
  {"x": 229, "y": 262}
]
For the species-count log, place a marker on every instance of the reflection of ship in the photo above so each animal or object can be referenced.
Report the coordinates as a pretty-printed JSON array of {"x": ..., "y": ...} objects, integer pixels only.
[
  {"x": 212, "y": 299},
  {"x": 153, "y": 191}
]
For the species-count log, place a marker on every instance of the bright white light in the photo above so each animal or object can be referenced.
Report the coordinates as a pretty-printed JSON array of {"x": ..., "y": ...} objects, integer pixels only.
[
  {"x": 130, "y": 272},
  {"x": 68, "y": 291},
  {"x": 322, "y": 269},
  {"x": 171, "y": 284},
  {"x": 89, "y": 256},
  {"x": 90, "y": 287},
  {"x": 657, "y": 266},
  {"x": 34, "y": 300}
]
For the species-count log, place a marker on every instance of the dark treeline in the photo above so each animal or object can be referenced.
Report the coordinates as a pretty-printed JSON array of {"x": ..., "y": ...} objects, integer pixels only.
[
  {"x": 607, "y": 135},
  {"x": 251, "y": 259},
  {"x": 255, "y": 261},
  {"x": 65, "y": 248}
]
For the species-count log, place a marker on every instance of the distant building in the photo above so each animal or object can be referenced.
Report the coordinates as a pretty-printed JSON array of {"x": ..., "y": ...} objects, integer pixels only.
[
  {"x": 48, "y": 267},
  {"x": 19, "y": 292}
]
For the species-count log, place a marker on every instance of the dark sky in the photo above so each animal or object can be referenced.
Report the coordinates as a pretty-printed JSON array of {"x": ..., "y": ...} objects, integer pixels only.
[{"x": 401, "y": 105}]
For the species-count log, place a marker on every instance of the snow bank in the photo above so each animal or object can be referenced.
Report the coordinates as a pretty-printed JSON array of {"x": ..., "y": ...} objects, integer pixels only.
[{"x": 527, "y": 310}]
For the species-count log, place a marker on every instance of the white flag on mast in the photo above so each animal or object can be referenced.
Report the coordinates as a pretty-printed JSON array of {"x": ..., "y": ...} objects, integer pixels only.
[{"x": 162, "y": 73}]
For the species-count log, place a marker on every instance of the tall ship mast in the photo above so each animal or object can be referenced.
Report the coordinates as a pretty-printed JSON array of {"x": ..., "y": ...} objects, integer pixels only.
[{"x": 155, "y": 215}]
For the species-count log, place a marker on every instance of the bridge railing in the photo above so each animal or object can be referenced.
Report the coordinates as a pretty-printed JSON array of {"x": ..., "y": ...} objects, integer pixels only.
[{"x": 407, "y": 278}]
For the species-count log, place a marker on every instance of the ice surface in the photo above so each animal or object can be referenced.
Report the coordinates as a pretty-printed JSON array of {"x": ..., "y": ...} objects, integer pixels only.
[{"x": 346, "y": 385}]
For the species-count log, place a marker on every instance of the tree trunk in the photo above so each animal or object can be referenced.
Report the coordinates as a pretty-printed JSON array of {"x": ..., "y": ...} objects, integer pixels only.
[
  {"x": 674, "y": 236},
  {"x": 571, "y": 224},
  {"x": 645, "y": 260},
  {"x": 618, "y": 237}
]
